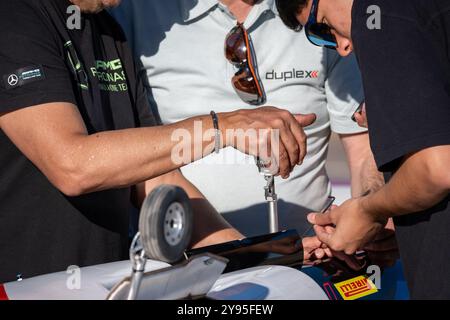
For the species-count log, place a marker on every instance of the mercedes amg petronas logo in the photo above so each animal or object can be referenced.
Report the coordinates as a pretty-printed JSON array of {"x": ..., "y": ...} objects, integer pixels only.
[{"x": 13, "y": 80}]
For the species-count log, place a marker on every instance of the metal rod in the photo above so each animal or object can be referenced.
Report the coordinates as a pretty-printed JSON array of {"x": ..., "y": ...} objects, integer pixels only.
[
  {"x": 136, "y": 276},
  {"x": 270, "y": 195},
  {"x": 273, "y": 217},
  {"x": 272, "y": 199},
  {"x": 138, "y": 260}
]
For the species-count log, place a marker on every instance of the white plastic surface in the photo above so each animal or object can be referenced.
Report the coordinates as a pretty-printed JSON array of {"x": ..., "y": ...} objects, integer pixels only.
[
  {"x": 259, "y": 283},
  {"x": 267, "y": 283},
  {"x": 95, "y": 283}
]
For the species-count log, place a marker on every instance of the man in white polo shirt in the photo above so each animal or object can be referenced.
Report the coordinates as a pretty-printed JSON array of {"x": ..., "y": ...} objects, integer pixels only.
[{"x": 181, "y": 46}]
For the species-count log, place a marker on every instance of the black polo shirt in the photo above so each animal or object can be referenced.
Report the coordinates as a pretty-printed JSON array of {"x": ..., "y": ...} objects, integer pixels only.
[
  {"x": 42, "y": 61},
  {"x": 406, "y": 74}
]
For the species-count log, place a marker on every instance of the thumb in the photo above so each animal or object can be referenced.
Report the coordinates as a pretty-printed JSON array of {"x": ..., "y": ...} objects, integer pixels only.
[
  {"x": 321, "y": 219},
  {"x": 305, "y": 119},
  {"x": 311, "y": 242},
  {"x": 323, "y": 235}
]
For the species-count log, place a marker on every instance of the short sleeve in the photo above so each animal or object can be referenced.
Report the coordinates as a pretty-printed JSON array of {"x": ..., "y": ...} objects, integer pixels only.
[
  {"x": 407, "y": 84},
  {"x": 344, "y": 92},
  {"x": 148, "y": 115},
  {"x": 32, "y": 66}
]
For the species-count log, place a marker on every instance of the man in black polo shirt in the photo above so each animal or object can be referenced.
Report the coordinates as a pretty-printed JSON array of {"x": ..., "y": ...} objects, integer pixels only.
[
  {"x": 403, "y": 52},
  {"x": 77, "y": 138}
]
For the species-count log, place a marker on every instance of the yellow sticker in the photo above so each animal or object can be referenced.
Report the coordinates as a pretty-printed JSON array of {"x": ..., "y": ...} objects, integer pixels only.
[{"x": 356, "y": 288}]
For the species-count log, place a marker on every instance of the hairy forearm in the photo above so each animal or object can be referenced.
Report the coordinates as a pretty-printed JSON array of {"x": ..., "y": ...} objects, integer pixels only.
[
  {"x": 54, "y": 137},
  {"x": 421, "y": 182},
  {"x": 364, "y": 175},
  {"x": 369, "y": 178},
  {"x": 122, "y": 158},
  {"x": 209, "y": 226}
]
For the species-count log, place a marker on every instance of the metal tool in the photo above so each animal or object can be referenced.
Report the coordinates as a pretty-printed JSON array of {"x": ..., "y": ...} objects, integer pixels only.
[
  {"x": 270, "y": 195},
  {"x": 138, "y": 259},
  {"x": 330, "y": 202}
]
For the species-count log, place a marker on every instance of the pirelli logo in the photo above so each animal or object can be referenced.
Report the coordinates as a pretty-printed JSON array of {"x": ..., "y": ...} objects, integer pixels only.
[{"x": 356, "y": 288}]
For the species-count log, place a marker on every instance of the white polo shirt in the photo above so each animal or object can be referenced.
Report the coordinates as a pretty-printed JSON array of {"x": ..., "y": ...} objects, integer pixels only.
[{"x": 181, "y": 46}]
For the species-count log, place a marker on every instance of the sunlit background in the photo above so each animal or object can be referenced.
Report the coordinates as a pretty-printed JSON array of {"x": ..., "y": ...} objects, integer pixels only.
[{"x": 338, "y": 170}]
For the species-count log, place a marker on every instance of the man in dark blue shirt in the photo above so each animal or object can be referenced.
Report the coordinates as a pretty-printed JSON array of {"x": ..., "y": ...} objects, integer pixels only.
[{"x": 403, "y": 51}]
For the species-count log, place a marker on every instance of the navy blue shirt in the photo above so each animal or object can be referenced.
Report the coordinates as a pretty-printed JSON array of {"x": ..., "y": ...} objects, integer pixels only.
[{"x": 406, "y": 75}]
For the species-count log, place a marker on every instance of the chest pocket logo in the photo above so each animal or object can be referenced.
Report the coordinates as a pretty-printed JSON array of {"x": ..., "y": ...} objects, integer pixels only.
[
  {"x": 292, "y": 74},
  {"x": 13, "y": 80},
  {"x": 76, "y": 66}
]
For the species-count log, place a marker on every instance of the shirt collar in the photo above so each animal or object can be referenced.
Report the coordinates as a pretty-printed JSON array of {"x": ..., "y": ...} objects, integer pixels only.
[
  {"x": 273, "y": 6},
  {"x": 259, "y": 9},
  {"x": 195, "y": 8},
  {"x": 268, "y": 5}
]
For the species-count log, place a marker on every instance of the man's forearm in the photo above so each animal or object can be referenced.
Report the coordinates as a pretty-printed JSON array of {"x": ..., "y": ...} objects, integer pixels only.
[
  {"x": 121, "y": 158},
  {"x": 364, "y": 175},
  {"x": 209, "y": 226},
  {"x": 421, "y": 182},
  {"x": 370, "y": 179},
  {"x": 127, "y": 157},
  {"x": 54, "y": 137}
]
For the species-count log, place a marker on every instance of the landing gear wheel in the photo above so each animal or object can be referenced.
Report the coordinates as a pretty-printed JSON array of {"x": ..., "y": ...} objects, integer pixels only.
[{"x": 165, "y": 224}]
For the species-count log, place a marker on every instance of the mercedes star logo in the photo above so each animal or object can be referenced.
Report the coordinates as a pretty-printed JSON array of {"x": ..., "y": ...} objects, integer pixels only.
[{"x": 13, "y": 80}]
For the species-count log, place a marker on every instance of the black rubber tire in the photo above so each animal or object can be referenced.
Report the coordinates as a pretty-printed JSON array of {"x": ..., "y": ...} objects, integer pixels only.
[{"x": 152, "y": 220}]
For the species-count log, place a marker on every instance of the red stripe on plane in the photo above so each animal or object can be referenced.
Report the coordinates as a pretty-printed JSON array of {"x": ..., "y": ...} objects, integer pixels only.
[{"x": 3, "y": 295}]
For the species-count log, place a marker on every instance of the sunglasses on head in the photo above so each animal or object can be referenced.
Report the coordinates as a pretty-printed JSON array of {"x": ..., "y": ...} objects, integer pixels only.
[
  {"x": 318, "y": 33},
  {"x": 239, "y": 52}
]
